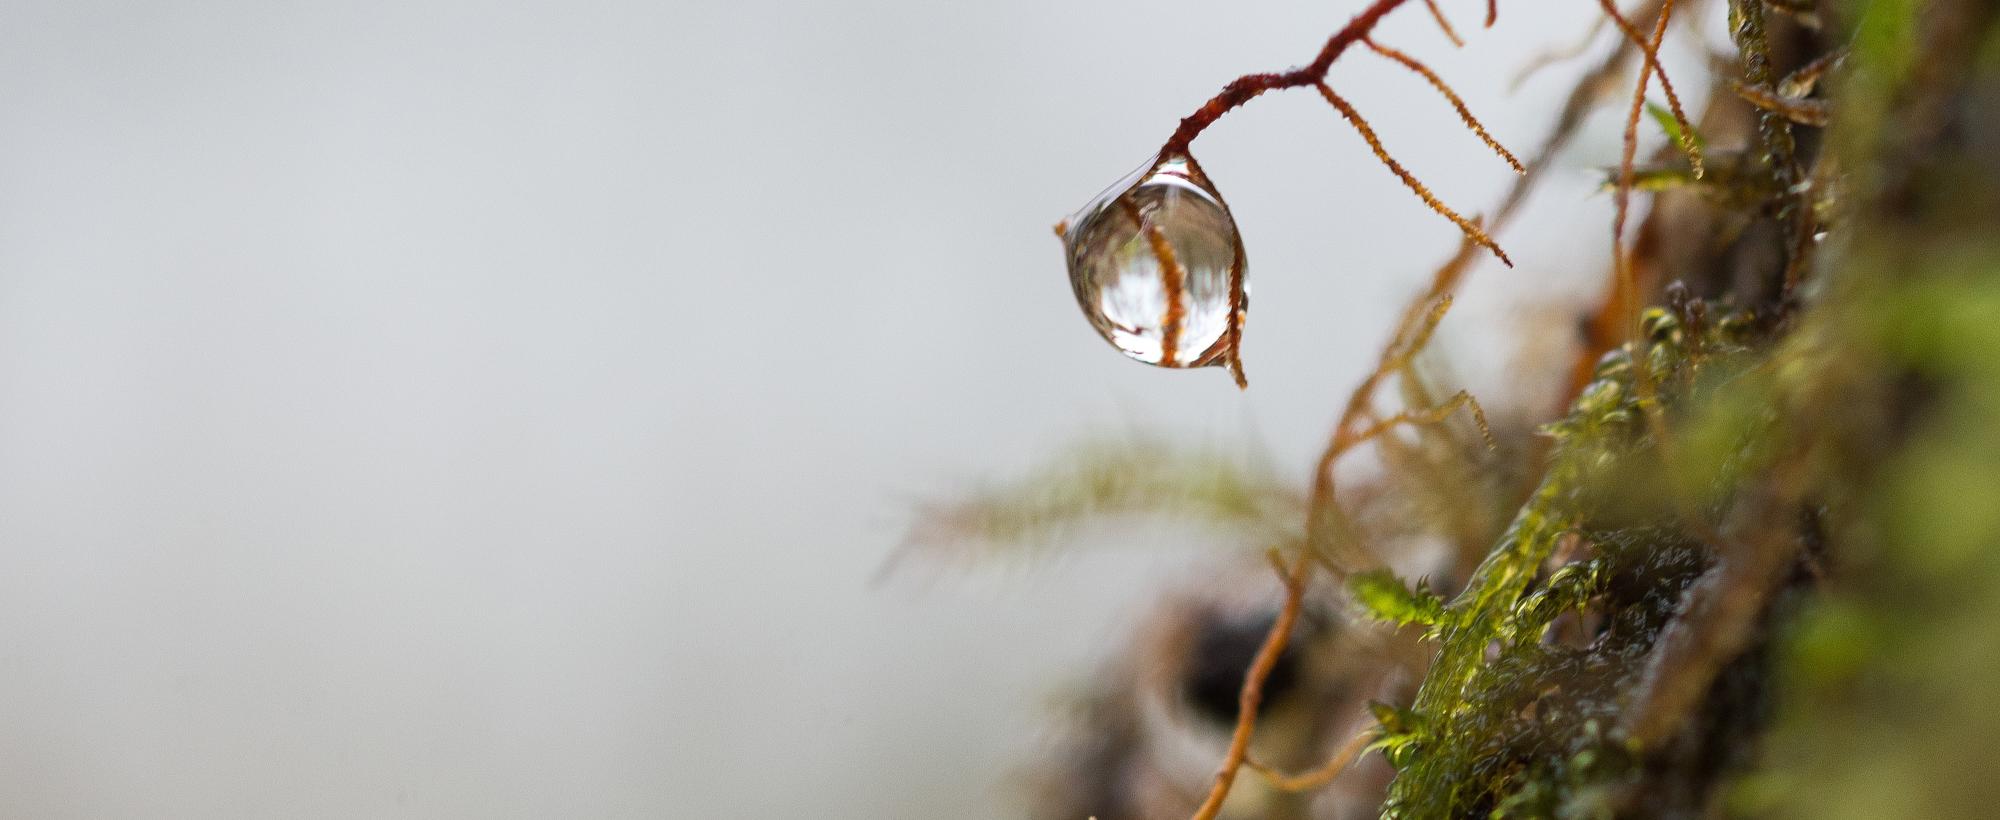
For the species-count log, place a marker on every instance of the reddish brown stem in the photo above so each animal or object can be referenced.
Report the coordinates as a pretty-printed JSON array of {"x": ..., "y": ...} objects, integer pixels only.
[
  {"x": 1252, "y": 694},
  {"x": 1443, "y": 23},
  {"x": 1174, "y": 279},
  {"x": 1450, "y": 96},
  {"x": 1422, "y": 191},
  {"x": 1433, "y": 415},
  {"x": 1234, "y": 333},
  {"x": 1648, "y": 47},
  {"x": 1246, "y": 88},
  {"x": 1650, "y": 51},
  {"x": 1325, "y": 773}
]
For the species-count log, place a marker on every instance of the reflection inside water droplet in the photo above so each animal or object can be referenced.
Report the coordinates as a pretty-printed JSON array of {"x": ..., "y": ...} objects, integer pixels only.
[{"x": 1152, "y": 261}]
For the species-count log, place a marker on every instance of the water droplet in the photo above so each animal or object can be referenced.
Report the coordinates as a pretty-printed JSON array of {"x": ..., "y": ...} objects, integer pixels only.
[{"x": 1154, "y": 260}]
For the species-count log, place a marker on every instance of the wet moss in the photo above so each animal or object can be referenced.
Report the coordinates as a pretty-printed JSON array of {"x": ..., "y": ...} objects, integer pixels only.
[{"x": 1537, "y": 655}]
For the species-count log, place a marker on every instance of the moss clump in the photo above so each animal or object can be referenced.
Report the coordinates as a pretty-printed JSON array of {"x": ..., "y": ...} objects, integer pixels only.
[
  {"x": 1798, "y": 505},
  {"x": 1518, "y": 714}
]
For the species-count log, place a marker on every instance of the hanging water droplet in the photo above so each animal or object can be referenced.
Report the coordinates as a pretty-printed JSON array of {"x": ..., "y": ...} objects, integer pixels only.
[{"x": 1154, "y": 261}]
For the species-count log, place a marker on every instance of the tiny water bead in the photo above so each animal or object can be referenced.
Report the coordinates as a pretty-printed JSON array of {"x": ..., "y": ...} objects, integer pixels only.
[{"x": 1157, "y": 266}]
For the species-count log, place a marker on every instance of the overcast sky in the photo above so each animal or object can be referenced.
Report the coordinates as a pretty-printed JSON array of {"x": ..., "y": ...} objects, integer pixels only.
[{"x": 431, "y": 409}]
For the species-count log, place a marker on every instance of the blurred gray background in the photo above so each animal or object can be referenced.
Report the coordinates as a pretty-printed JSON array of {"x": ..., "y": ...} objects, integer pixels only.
[{"x": 430, "y": 409}]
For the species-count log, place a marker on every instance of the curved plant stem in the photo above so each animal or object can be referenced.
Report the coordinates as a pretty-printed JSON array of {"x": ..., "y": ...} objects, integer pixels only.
[
  {"x": 1252, "y": 695},
  {"x": 1650, "y": 49},
  {"x": 1457, "y": 103},
  {"x": 1444, "y": 23},
  {"x": 1247, "y": 87},
  {"x": 1423, "y": 192},
  {"x": 1342, "y": 758}
]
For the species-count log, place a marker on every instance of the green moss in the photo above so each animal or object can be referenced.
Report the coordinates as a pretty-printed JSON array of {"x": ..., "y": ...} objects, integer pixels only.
[
  {"x": 1511, "y": 721},
  {"x": 1874, "y": 407},
  {"x": 1387, "y": 598}
]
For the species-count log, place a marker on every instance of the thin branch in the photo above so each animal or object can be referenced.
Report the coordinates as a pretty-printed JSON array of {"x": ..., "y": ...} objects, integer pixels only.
[
  {"x": 1815, "y": 113},
  {"x": 1412, "y": 333},
  {"x": 1342, "y": 758},
  {"x": 1276, "y": 558},
  {"x": 1801, "y": 82},
  {"x": 1416, "y": 334},
  {"x": 1252, "y": 694},
  {"x": 1420, "y": 319},
  {"x": 1443, "y": 23},
  {"x": 1247, "y": 87},
  {"x": 1650, "y": 48},
  {"x": 1175, "y": 281},
  {"x": 1583, "y": 97},
  {"x": 1451, "y": 96},
  {"x": 1233, "y": 333},
  {"x": 1471, "y": 230},
  {"x": 1432, "y": 415},
  {"x": 1603, "y": 330}
]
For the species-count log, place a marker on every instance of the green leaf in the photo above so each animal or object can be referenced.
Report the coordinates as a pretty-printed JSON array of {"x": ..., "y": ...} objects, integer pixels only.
[
  {"x": 1387, "y": 598},
  {"x": 1672, "y": 127},
  {"x": 1650, "y": 179}
]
